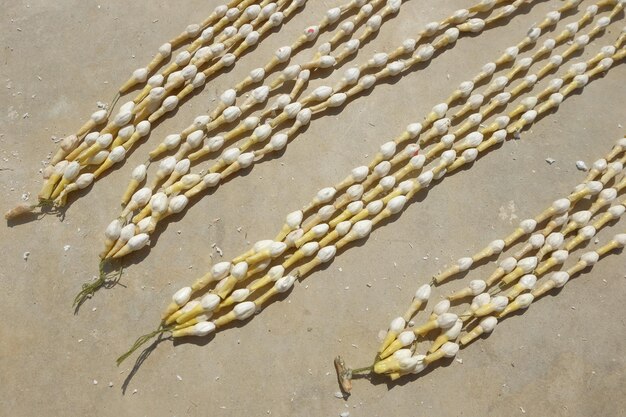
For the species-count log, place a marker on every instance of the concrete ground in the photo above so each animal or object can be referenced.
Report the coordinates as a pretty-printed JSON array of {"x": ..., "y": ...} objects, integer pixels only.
[{"x": 564, "y": 357}]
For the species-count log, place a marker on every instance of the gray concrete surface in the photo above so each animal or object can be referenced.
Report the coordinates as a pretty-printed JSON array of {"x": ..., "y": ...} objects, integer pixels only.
[{"x": 565, "y": 357}]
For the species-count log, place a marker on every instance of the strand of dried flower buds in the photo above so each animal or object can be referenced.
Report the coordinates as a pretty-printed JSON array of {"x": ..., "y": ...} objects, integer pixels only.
[
  {"x": 215, "y": 48},
  {"x": 181, "y": 186},
  {"x": 176, "y": 168},
  {"x": 191, "y": 317},
  {"x": 397, "y": 355}
]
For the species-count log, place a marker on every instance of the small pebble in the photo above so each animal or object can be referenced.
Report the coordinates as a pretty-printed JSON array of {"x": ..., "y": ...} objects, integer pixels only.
[
  {"x": 110, "y": 384},
  {"x": 95, "y": 382},
  {"x": 26, "y": 255},
  {"x": 66, "y": 248},
  {"x": 550, "y": 160},
  {"x": 338, "y": 394},
  {"x": 582, "y": 166},
  {"x": 345, "y": 414}
]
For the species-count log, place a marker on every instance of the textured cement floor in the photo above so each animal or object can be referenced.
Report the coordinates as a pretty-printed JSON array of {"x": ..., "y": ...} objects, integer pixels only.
[{"x": 564, "y": 357}]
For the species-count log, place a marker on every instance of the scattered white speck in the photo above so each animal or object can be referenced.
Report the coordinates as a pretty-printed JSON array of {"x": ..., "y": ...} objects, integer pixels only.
[
  {"x": 338, "y": 394},
  {"x": 459, "y": 360},
  {"x": 582, "y": 166},
  {"x": 425, "y": 258},
  {"x": 94, "y": 309},
  {"x": 110, "y": 384},
  {"x": 550, "y": 160},
  {"x": 345, "y": 414},
  {"x": 66, "y": 248},
  {"x": 25, "y": 196},
  {"x": 26, "y": 255},
  {"x": 179, "y": 377},
  {"x": 95, "y": 382},
  {"x": 134, "y": 391},
  {"x": 522, "y": 410}
]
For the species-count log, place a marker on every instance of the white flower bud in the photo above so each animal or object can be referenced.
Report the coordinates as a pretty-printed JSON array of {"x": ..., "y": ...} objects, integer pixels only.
[
  {"x": 239, "y": 271},
  {"x": 159, "y": 203},
  {"x": 396, "y": 204},
  {"x": 178, "y": 204},
  {"x": 360, "y": 173},
  {"x": 361, "y": 229},
  {"x": 355, "y": 207},
  {"x": 138, "y": 242},
  {"x": 374, "y": 207},
  {"x": 165, "y": 50},
  {"x": 508, "y": 264},
  {"x": 423, "y": 293},
  {"x": 326, "y": 253},
  {"x": 203, "y": 328},
  {"x": 397, "y": 325},
  {"x": 488, "y": 324},
  {"x": 425, "y": 52},
  {"x": 528, "y": 281},
  {"x": 499, "y": 303},
  {"x": 559, "y": 278},
  {"x": 244, "y": 310},
  {"x": 465, "y": 263},
  {"x": 343, "y": 228},
  {"x": 99, "y": 116},
  {"x": 142, "y": 196},
  {"x": 117, "y": 155},
  {"x": 310, "y": 248},
  {"x": 446, "y": 320},
  {"x": 230, "y": 155},
  {"x": 182, "y": 296},
  {"x": 537, "y": 240},
  {"x": 210, "y": 302},
  {"x": 527, "y": 264},
  {"x": 497, "y": 246},
  {"x": 113, "y": 230},
  {"x": 284, "y": 284},
  {"x": 425, "y": 178}
]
